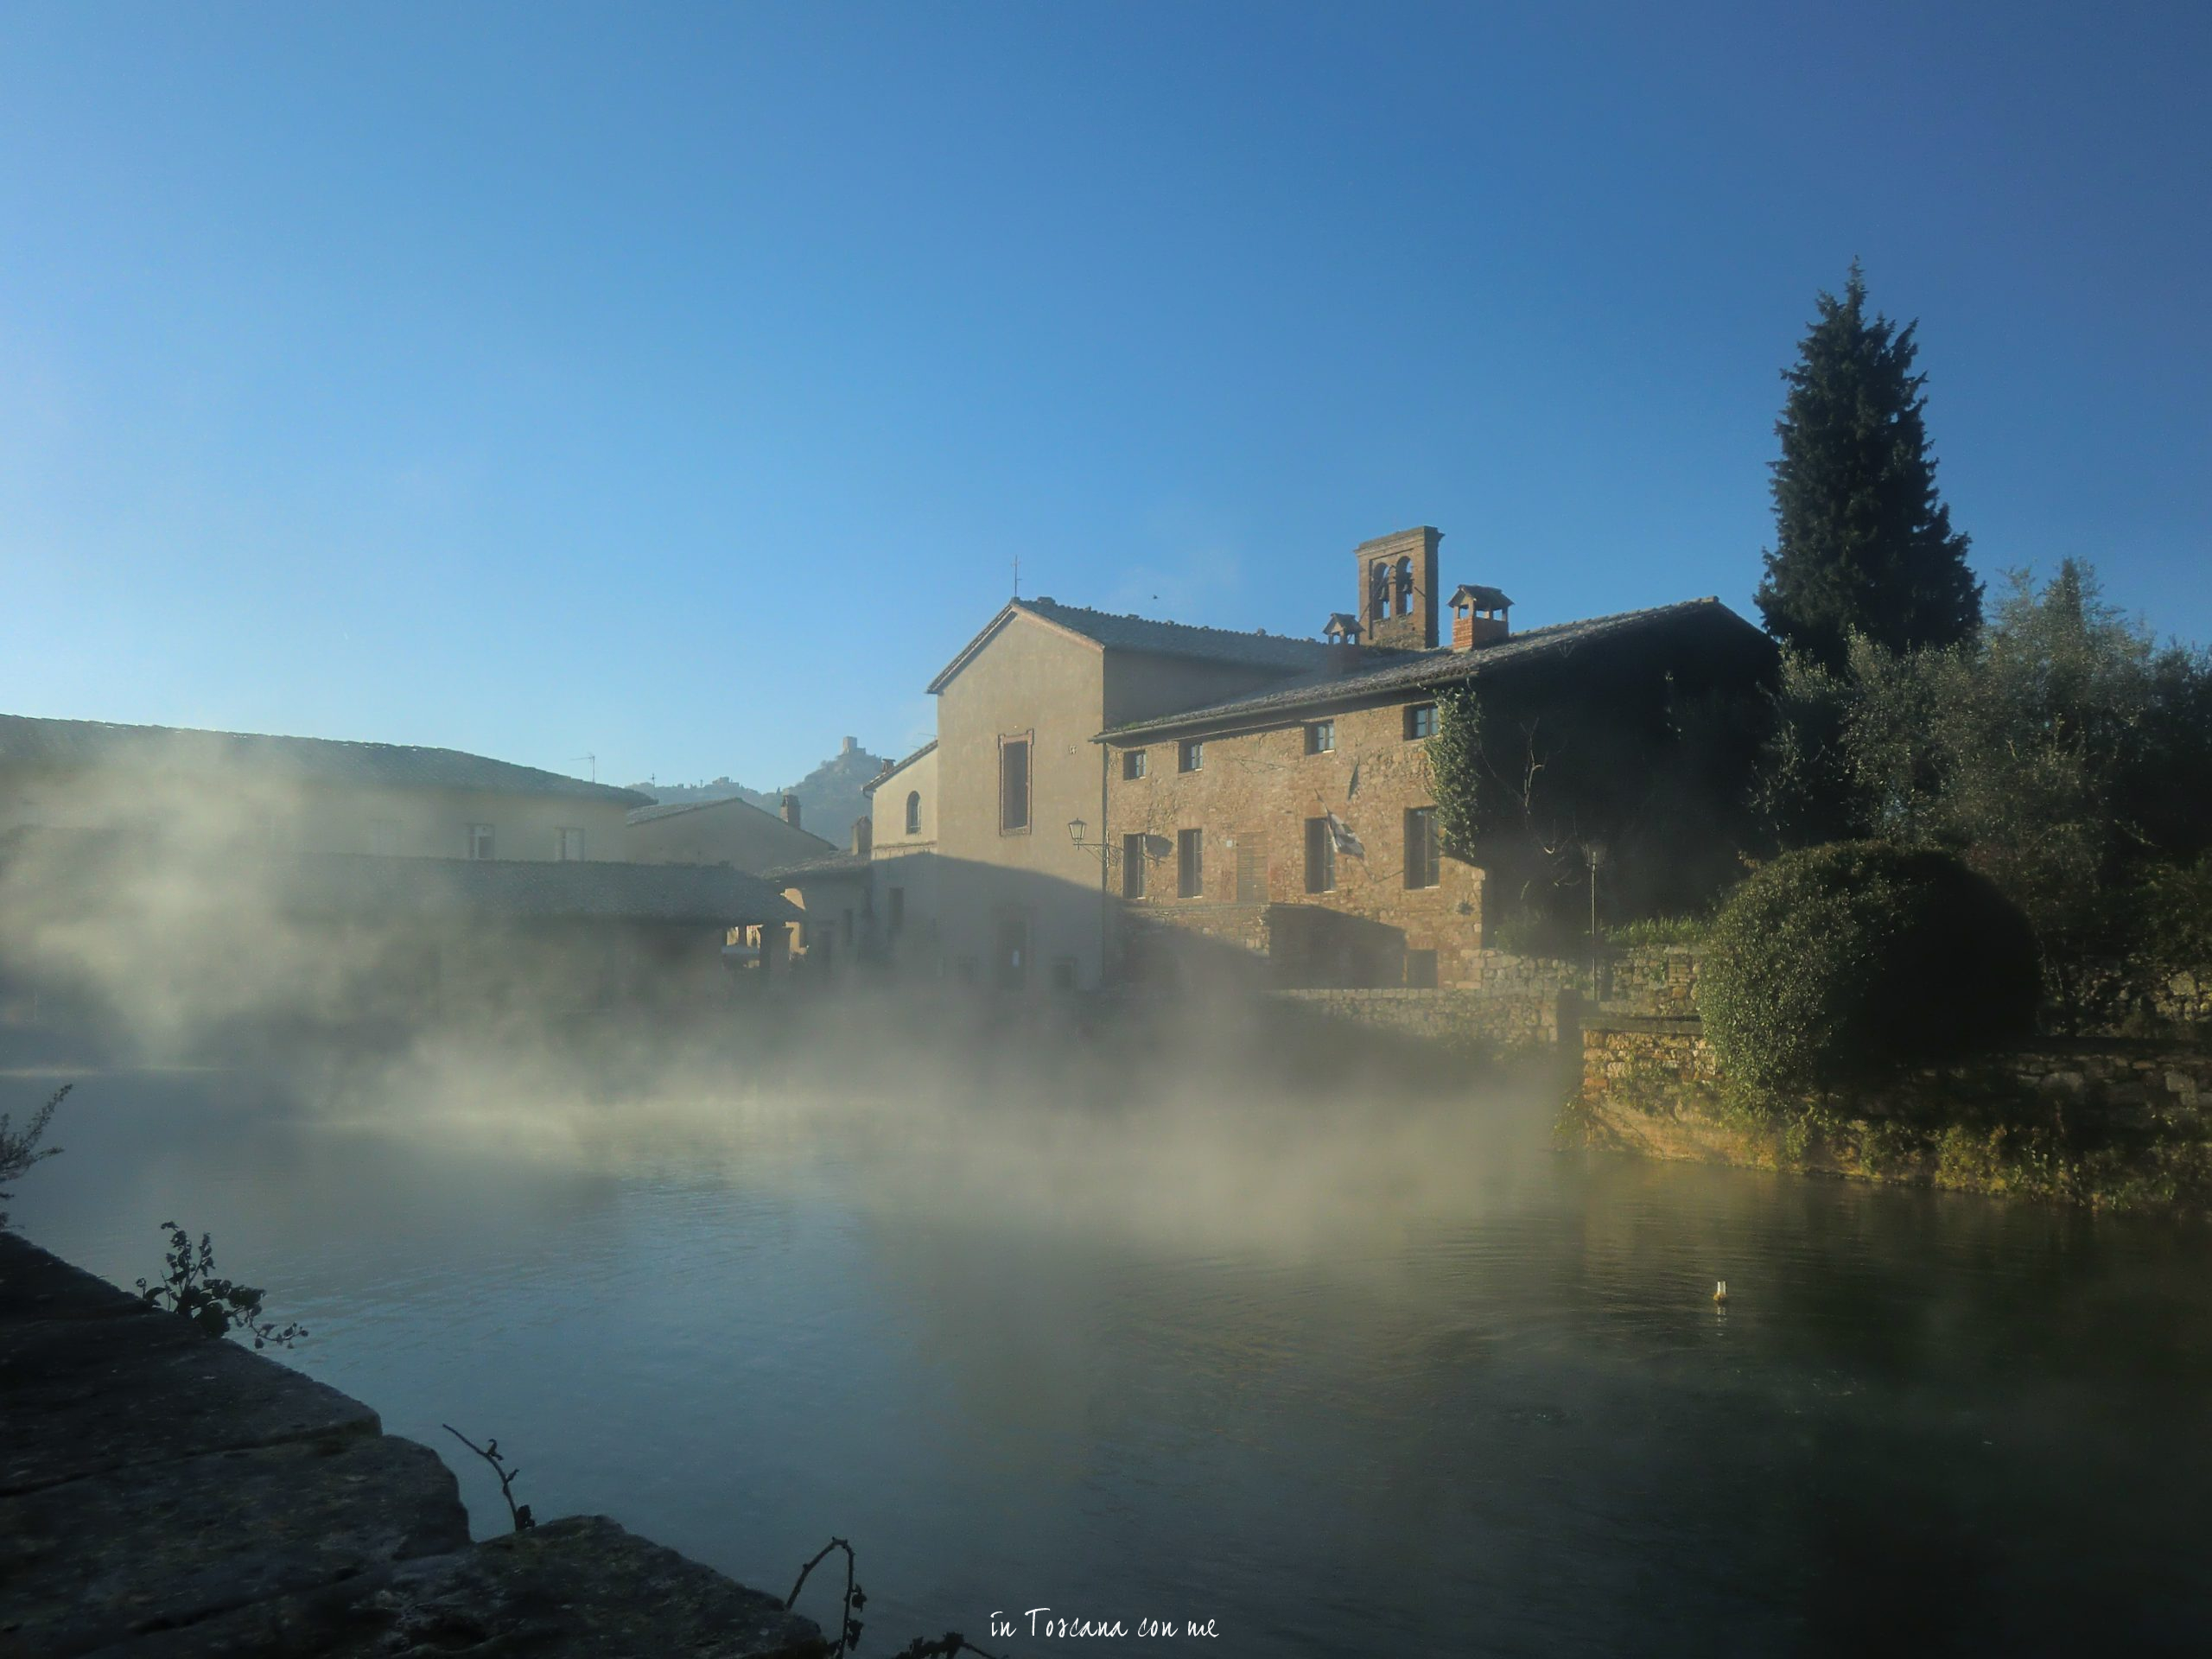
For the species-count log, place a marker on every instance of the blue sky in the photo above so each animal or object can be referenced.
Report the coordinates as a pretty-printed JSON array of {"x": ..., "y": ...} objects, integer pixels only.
[{"x": 679, "y": 384}]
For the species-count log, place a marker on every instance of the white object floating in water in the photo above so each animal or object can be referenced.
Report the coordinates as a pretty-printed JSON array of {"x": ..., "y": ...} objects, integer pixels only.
[{"x": 1721, "y": 1294}]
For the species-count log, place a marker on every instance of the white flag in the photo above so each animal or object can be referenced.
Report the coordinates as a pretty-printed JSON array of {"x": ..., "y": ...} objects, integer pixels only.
[{"x": 1340, "y": 834}]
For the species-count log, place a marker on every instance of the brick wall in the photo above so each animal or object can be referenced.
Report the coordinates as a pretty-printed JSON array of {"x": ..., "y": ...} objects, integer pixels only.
[{"x": 1253, "y": 797}]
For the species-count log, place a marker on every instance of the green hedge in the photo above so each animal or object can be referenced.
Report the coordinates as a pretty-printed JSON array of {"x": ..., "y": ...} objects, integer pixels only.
[{"x": 1840, "y": 963}]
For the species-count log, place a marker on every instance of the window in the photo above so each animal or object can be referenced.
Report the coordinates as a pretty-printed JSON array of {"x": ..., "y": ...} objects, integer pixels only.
[
  {"x": 1320, "y": 857},
  {"x": 1191, "y": 755},
  {"x": 569, "y": 846},
  {"x": 1251, "y": 869},
  {"x": 1133, "y": 764},
  {"x": 479, "y": 841},
  {"x": 913, "y": 812},
  {"x": 1421, "y": 721},
  {"x": 1420, "y": 970},
  {"x": 1132, "y": 867},
  {"x": 1421, "y": 862},
  {"x": 1189, "y": 863},
  {"x": 895, "y": 904},
  {"x": 1013, "y": 785},
  {"x": 1321, "y": 737},
  {"x": 1064, "y": 973},
  {"x": 383, "y": 836}
]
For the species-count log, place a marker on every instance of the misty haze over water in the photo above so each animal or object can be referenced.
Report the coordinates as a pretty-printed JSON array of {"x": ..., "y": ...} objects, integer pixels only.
[{"x": 1170, "y": 1336}]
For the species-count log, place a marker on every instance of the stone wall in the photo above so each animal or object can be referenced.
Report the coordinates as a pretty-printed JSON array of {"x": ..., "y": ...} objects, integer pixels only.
[
  {"x": 2135, "y": 995},
  {"x": 2100, "y": 1121},
  {"x": 1508, "y": 1015},
  {"x": 1649, "y": 981},
  {"x": 1252, "y": 797},
  {"x": 167, "y": 1494}
]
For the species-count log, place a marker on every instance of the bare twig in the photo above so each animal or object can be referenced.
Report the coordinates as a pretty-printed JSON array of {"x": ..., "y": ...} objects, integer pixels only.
[
  {"x": 848, "y": 1629},
  {"x": 523, "y": 1519}
]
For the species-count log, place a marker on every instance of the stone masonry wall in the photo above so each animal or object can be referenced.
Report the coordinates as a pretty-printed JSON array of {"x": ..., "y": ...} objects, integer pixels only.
[
  {"x": 1518, "y": 1019},
  {"x": 2096, "y": 1122},
  {"x": 1253, "y": 797}
]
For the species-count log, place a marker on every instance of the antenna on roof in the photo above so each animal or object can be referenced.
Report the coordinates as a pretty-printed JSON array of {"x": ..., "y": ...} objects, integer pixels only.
[
  {"x": 594, "y": 764},
  {"x": 1017, "y": 575}
]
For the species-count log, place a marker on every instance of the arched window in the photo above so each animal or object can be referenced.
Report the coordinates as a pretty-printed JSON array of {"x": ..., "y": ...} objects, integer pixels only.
[
  {"x": 1378, "y": 590},
  {"x": 914, "y": 812},
  {"x": 1405, "y": 586}
]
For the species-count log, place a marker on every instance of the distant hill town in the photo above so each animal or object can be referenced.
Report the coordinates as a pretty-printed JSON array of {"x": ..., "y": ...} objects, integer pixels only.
[{"x": 830, "y": 797}]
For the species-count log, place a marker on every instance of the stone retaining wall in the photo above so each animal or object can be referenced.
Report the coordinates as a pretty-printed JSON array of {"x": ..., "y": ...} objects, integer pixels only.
[
  {"x": 166, "y": 1495},
  {"x": 2094, "y": 1121},
  {"x": 1505, "y": 1019}
]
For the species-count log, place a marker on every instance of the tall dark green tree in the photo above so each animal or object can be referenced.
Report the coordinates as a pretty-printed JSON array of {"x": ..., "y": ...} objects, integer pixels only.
[{"x": 1863, "y": 544}]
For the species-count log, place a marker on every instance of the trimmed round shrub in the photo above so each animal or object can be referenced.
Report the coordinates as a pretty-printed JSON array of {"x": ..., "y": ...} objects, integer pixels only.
[{"x": 1841, "y": 964}]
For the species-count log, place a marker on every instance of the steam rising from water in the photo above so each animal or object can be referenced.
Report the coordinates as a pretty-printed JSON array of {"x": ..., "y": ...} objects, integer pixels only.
[{"x": 167, "y": 904}]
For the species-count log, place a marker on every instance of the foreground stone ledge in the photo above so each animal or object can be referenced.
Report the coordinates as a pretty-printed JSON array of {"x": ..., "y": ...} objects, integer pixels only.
[
  {"x": 35, "y": 1284},
  {"x": 162, "y": 1493},
  {"x": 93, "y": 1562},
  {"x": 580, "y": 1586},
  {"x": 112, "y": 1394}
]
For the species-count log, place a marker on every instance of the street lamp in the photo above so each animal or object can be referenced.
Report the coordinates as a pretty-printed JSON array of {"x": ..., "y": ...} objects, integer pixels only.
[{"x": 1594, "y": 851}]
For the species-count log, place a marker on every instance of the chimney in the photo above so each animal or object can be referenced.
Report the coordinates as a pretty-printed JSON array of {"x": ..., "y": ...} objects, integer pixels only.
[
  {"x": 1341, "y": 631},
  {"x": 863, "y": 836},
  {"x": 1478, "y": 617},
  {"x": 790, "y": 810},
  {"x": 1397, "y": 588}
]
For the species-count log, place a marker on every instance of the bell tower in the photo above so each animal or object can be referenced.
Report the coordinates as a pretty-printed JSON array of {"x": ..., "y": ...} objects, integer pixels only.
[{"x": 1397, "y": 589}]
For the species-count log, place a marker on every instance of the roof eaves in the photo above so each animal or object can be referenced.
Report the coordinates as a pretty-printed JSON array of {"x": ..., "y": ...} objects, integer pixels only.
[
  {"x": 1430, "y": 671},
  {"x": 1014, "y": 608},
  {"x": 889, "y": 772}
]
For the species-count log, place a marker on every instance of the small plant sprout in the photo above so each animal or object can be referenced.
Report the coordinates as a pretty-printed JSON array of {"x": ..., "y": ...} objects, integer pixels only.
[
  {"x": 19, "y": 1152},
  {"x": 217, "y": 1305}
]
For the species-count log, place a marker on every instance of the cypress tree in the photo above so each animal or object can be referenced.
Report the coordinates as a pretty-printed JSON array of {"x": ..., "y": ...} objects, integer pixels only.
[{"x": 1863, "y": 545}]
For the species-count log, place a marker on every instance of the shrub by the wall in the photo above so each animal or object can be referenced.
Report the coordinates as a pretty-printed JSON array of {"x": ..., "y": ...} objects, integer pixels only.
[{"x": 1840, "y": 963}]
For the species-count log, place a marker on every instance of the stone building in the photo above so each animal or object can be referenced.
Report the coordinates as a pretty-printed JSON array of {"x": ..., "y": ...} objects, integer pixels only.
[
  {"x": 904, "y": 862},
  {"x": 144, "y": 866},
  {"x": 1107, "y": 793},
  {"x": 731, "y": 831},
  {"x": 1022, "y": 877},
  {"x": 1295, "y": 826}
]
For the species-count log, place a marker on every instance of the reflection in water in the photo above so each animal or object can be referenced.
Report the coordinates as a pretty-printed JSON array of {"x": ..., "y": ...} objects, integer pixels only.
[{"x": 1345, "y": 1386}]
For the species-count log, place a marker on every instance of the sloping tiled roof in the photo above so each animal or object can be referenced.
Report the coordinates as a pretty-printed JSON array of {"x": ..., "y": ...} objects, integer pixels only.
[
  {"x": 1139, "y": 634},
  {"x": 676, "y": 809},
  {"x": 65, "y": 863},
  {"x": 1411, "y": 670},
  {"x": 709, "y": 895},
  {"x": 889, "y": 772},
  {"x": 835, "y": 864},
  {"x": 155, "y": 750}
]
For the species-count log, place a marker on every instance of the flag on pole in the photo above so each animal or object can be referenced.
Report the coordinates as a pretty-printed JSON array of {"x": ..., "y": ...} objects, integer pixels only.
[{"x": 1340, "y": 834}]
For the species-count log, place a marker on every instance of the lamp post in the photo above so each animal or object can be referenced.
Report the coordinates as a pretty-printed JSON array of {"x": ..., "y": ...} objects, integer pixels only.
[{"x": 1594, "y": 851}]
